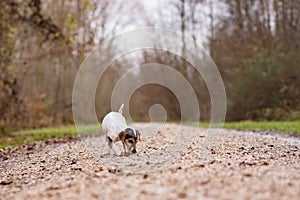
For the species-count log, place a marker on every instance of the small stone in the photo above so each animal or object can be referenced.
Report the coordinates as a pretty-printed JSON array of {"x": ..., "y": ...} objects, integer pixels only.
[
  {"x": 182, "y": 195},
  {"x": 241, "y": 149},
  {"x": 145, "y": 176},
  {"x": 205, "y": 181},
  {"x": 55, "y": 187},
  {"x": 73, "y": 162},
  {"x": 76, "y": 168},
  {"x": 112, "y": 170},
  {"x": 100, "y": 169},
  {"x": 247, "y": 174},
  {"x": 200, "y": 165},
  {"x": 265, "y": 163},
  {"x": 6, "y": 182},
  {"x": 212, "y": 162},
  {"x": 244, "y": 163}
]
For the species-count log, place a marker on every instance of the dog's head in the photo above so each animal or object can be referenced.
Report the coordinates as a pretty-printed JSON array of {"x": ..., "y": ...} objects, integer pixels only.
[{"x": 130, "y": 137}]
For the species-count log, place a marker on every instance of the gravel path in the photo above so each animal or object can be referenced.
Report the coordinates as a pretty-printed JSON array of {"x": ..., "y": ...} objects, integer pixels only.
[{"x": 239, "y": 165}]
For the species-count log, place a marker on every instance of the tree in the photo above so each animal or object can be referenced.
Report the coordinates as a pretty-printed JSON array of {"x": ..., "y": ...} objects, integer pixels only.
[{"x": 257, "y": 48}]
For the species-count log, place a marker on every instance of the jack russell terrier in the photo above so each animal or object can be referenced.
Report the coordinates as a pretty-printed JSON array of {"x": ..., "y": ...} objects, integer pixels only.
[{"x": 116, "y": 129}]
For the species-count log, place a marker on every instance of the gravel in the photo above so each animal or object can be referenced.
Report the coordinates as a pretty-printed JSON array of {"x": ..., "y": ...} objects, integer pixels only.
[{"x": 173, "y": 162}]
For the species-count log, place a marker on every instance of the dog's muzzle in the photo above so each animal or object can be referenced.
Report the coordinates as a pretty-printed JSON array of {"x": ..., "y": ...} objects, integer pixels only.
[{"x": 134, "y": 151}]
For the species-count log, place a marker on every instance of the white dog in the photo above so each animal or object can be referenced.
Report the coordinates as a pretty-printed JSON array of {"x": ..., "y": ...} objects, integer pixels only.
[{"x": 116, "y": 129}]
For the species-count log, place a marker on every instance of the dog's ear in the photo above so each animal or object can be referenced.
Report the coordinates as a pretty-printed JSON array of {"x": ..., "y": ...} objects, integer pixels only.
[
  {"x": 121, "y": 136},
  {"x": 138, "y": 135}
]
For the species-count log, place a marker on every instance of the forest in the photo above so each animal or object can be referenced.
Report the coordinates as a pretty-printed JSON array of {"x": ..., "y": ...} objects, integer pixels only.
[
  {"x": 149, "y": 99},
  {"x": 254, "y": 44}
]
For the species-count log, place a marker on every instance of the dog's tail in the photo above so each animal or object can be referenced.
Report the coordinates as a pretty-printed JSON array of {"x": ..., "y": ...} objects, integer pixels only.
[{"x": 121, "y": 108}]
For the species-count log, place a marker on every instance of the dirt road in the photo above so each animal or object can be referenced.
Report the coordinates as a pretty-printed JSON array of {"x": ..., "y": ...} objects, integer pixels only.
[{"x": 238, "y": 165}]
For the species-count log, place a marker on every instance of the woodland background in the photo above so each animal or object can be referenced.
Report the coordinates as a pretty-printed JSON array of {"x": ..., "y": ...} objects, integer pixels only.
[{"x": 254, "y": 43}]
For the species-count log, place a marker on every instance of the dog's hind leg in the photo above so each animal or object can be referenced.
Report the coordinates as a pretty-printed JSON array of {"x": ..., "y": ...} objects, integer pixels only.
[
  {"x": 112, "y": 146},
  {"x": 109, "y": 142}
]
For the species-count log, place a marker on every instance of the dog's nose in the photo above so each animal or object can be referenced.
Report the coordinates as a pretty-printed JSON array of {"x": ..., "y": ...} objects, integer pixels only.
[{"x": 134, "y": 151}]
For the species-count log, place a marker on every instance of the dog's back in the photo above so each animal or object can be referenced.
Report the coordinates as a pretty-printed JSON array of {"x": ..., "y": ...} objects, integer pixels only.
[{"x": 113, "y": 123}]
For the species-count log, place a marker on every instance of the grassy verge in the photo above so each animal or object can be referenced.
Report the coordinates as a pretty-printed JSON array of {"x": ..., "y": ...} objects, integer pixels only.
[
  {"x": 32, "y": 135},
  {"x": 278, "y": 126}
]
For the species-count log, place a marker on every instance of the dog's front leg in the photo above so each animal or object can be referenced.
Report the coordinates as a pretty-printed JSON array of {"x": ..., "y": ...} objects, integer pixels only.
[
  {"x": 124, "y": 147},
  {"x": 116, "y": 150}
]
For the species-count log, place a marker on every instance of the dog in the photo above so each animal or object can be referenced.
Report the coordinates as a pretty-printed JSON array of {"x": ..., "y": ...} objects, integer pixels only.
[{"x": 116, "y": 129}]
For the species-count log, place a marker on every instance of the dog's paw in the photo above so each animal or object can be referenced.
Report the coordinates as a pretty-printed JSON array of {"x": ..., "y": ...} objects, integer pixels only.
[
  {"x": 125, "y": 154},
  {"x": 117, "y": 154}
]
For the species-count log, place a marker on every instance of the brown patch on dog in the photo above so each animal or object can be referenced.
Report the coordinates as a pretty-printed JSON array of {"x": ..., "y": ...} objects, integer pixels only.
[{"x": 121, "y": 136}]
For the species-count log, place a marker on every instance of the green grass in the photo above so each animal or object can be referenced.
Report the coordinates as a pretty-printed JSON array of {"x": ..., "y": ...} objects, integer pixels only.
[
  {"x": 32, "y": 135},
  {"x": 292, "y": 127}
]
